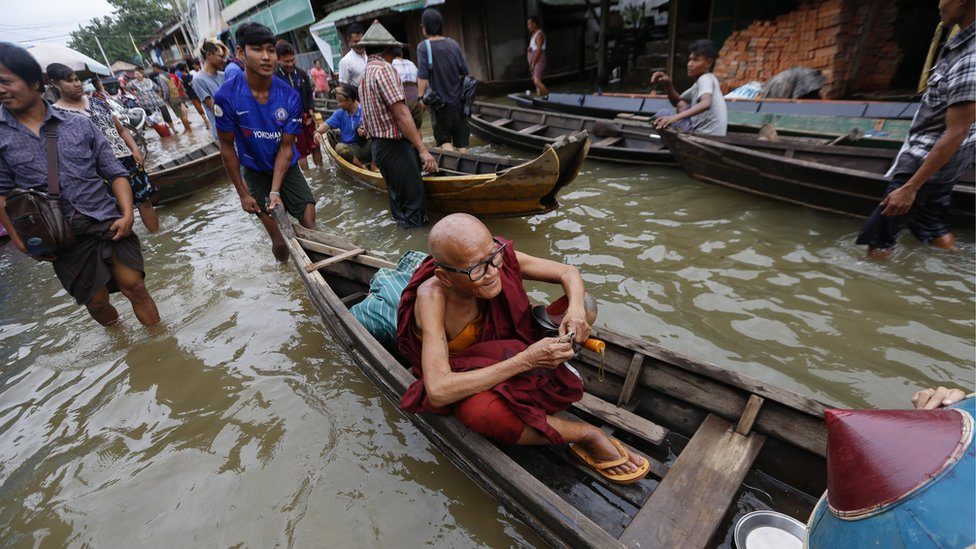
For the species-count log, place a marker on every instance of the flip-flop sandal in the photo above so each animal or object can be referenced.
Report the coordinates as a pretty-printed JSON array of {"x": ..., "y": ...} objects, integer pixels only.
[{"x": 601, "y": 466}]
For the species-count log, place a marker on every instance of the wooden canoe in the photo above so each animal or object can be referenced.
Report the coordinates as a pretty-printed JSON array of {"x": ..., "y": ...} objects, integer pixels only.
[
  {"x": 489, "y": 186},
  {"x": 186, "y": 174},
  {"x": 719, "y": 443},
  {"x": 534, "y": 130},
  {"x": 838, "y": 179},
  {"x": 799, "y": 118}
]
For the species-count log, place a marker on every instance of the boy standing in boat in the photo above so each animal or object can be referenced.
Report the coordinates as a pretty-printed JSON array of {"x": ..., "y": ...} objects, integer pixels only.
[
  {"x": 259, "y": 118},
  {"x": 465, "y": 327},
  {"x": 938, "y": 149},
  {"x": 701, "y": 108}
]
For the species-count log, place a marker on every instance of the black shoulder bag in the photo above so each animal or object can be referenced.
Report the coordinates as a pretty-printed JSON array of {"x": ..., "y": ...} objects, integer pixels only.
[
  {"x": 431, "y": 98},
  {"x": 37, "y": 216}
]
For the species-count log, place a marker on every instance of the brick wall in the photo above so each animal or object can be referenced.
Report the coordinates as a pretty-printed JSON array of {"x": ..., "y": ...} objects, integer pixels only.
[{"x": 821, "y": 34}]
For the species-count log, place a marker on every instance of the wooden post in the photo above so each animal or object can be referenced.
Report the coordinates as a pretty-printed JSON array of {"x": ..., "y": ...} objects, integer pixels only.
[
  {"x": 672, "y": 35},
  {"x": 490, "y": 73},
  {"x": 850, "y": 79},
  {"x": 601, "y": 50}
]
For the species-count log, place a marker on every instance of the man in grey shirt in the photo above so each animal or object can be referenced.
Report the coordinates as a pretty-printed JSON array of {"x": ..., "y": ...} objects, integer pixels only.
[
  {"x": 211, "y": 76},
  {"x": 106, "y": 256},
  {"x": 701, "y": 108}
]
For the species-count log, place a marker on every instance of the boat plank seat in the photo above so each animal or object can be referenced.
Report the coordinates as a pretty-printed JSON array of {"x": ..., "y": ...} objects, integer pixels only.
[
  {"x": 501, "y": 122},
  {"x": 688, "y": 506},
  {"x": 609, "y": 141},
  {"x": 536, "y": 128},
  {"x": 334, "y": 259},
  {"x": 622, "y": 419}
]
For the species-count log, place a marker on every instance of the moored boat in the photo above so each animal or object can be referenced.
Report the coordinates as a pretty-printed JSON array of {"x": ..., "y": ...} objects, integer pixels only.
[
  {"x": 838, "y": 179},
  {"x": 534, "y": 130},
  {"x": 489, "y": 186},
  {"x": 186, "y": 174},
  {"x": 886, "y": 123},
  {"x": 737, "y": 439}
]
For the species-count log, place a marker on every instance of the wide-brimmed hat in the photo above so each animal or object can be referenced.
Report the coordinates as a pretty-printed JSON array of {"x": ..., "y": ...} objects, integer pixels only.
[{"x": 377, "y": 35}]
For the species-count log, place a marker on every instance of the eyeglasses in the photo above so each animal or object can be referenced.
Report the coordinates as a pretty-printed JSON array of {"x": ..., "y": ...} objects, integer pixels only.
[{"x": 480, "y": 269}]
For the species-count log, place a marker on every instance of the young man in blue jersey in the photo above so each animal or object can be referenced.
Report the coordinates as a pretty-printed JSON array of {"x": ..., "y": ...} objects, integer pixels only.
[{"x": 262, "y": 116}]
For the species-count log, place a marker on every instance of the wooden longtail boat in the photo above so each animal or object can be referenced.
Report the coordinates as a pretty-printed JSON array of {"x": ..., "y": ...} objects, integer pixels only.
[
  {"x": 719, "y": 443},
  {"x": 489, "y": 186},
  {"x": 533, "y": 130},
  {"x": 839, "y": 179},
  {"x": 799, "y": 118},
  {"x": 186, "y": 174}
]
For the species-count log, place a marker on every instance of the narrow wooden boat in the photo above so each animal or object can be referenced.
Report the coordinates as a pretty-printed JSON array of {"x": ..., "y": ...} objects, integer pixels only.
[
  {"x": 186, "y": 174},
  {"x": 720, "y": 443},
  {"x": 533, "y": 130},
  {"x": 800, "y": 118},
  {"x": 489, "y": 186},
  {"x": 838, "y": 179}
]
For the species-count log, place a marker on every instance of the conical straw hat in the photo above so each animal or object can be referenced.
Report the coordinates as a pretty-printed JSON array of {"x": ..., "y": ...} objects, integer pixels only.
[{"x": 377, "y": 35}]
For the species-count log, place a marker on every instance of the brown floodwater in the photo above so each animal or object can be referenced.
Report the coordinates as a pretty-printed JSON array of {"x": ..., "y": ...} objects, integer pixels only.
[{"x": 239, "y": 422}]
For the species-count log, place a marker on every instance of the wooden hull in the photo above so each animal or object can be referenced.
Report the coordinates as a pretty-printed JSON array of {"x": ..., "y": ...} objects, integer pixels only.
[
  {"x": 844, "y": 180},
  {"x": 187, "y": 174},
  {"x": 533, "y": 130},
  {"x": 488, "y": 186},
  {"x": 652, "y": 398},
  {"x": 819, "y": 119}
]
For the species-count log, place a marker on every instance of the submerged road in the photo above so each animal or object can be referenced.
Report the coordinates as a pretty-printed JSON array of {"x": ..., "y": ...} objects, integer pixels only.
[{"x": 239, "y": 421}]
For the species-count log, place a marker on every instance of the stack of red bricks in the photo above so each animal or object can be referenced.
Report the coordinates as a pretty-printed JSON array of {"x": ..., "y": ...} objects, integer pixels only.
[{"x": 820, "y": 34}]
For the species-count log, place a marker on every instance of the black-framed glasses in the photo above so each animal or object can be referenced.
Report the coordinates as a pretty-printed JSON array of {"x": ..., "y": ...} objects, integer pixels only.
[{"x": 480, "y": 269}]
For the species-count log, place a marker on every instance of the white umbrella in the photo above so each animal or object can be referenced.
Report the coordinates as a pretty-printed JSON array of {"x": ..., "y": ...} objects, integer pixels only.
[{"x": 75, "y": 60}]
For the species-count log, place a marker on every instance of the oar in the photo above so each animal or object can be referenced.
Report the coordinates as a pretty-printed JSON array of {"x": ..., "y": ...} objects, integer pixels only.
[{"x": 606, "y": 129}]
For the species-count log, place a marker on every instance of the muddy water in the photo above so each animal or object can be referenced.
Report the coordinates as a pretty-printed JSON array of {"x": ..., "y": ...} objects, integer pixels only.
[{"x": 240, "y": 423}]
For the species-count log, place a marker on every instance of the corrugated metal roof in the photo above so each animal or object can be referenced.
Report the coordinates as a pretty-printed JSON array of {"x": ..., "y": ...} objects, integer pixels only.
[{"x": 370, "y": 6}]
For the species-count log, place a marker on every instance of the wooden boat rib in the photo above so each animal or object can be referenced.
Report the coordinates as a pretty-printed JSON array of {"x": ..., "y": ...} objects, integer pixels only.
[
  {"x": 186, "y": 174},
  {"x": 533, "y": 130},
  {"x": 489, "y": 186},
  {"x": 724, "y": 426},
  {"x": 838, "y": 179},
  {"x": 798, "y": 118}
]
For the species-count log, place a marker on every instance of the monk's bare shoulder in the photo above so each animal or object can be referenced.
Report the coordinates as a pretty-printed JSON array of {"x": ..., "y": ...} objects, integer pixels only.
[{"x": 430, "y": 301}]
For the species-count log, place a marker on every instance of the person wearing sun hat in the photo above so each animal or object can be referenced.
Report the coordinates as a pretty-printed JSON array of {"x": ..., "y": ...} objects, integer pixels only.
[{"x": 398, "y": 149}]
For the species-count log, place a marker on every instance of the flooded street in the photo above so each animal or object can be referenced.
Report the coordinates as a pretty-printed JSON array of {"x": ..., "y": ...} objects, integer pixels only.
[{"x": 239, "y": 422}]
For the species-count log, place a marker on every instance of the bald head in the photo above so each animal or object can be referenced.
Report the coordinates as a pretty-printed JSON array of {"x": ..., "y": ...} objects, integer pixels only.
[{"x": 458, "y": 240}]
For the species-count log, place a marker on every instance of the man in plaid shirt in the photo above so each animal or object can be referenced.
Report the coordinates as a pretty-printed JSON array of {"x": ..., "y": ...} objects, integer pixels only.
[
  {"x": 939, "y": 147},
  {"x": 396, "y": 140}
]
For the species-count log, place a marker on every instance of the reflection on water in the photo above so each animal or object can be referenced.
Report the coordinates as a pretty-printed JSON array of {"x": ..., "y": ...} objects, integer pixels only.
[{"x": 242, "y": 423}]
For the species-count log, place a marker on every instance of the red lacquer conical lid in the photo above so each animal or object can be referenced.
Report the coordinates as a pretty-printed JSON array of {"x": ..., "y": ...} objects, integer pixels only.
[{"x": 876, "y": 457}]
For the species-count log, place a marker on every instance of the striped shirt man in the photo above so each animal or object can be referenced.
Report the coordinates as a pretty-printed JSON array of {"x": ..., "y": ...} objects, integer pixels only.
[
  {"x": 379, "y": 89},
  {"x": 952, "y": 81}
]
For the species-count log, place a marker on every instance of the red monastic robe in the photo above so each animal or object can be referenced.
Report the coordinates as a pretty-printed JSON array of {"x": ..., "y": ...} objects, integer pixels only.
[{"x": 508, "y": 330}]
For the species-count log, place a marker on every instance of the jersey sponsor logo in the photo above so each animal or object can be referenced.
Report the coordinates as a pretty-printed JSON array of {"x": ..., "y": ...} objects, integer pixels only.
[
  {"x": 281, "y": 114},
  {"x": 218, "y": 112},
  {"x": 260, "y": 134}
]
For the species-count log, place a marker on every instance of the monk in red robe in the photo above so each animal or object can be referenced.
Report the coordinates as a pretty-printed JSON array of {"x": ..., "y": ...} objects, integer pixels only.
[{"x": 465, "y": 327}]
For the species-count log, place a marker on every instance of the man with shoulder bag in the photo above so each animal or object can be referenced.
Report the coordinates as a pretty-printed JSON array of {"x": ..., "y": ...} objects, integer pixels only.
[
  {"x": 441, "y": 74},
  {"x": 53, "y": 199}
]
